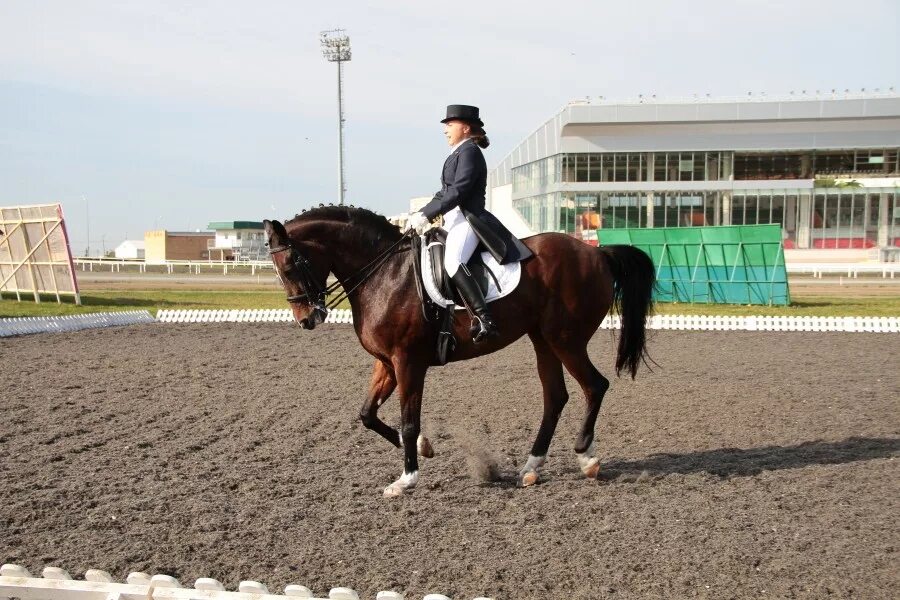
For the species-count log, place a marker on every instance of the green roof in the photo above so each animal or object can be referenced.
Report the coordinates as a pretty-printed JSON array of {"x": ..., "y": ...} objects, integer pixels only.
[{"x": 235, "y": 225}]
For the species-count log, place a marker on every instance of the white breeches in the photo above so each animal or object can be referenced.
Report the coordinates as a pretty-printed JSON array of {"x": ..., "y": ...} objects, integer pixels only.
[{"x": 461, "y": 243}]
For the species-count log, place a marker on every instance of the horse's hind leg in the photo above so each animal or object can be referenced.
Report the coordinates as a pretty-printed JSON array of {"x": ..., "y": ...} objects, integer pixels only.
[
  {"x": 555, "y": 398},
  {"x": 594, "y": 386}
]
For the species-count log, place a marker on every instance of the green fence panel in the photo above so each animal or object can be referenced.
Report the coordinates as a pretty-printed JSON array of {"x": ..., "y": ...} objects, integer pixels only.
[
  {"x": 616, "y": 236},
  {"x": 738, "y": 264}
]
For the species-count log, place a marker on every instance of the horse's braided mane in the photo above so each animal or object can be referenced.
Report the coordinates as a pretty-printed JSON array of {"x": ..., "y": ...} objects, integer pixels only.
[{"x": 370, "y": 227}]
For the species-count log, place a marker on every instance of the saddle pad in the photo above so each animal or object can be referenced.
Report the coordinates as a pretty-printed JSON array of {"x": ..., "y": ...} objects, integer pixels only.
[{"x": 507, "y": 275}]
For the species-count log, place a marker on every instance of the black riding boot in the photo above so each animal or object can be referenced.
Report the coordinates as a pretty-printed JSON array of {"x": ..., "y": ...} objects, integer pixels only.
[{"x": 482, "y": 325}]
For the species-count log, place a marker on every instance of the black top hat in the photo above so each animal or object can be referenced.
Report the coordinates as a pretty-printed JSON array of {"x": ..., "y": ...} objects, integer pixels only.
[{"x": 463, "y": 112}]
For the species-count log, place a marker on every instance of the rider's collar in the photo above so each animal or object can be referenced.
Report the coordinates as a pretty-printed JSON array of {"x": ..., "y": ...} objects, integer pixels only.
[{"x": 456, "y": 146}]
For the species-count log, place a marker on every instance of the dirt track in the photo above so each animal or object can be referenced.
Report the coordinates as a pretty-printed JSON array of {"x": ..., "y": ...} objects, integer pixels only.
[{"x": 749, "y": 465}]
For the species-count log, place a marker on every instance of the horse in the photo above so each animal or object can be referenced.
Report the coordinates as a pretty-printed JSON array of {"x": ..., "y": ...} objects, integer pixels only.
[{"x": 565, "y": 290}]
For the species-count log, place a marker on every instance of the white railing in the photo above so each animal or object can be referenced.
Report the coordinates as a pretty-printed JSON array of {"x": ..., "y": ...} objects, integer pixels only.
[
  {"x": 767, "y": 323},
  {"x": 57, "y": 584},
  {"x": 171, "y": 266},
  {"x": 848, "y": 269},
  {"x": 265, "y": 315},
  {"x": 26, "y": 325},
  {"x": 678, "y": 322}
]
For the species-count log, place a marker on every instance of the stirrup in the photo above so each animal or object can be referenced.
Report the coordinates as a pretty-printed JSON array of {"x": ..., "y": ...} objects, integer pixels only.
[{"x": 482, "y": 329}]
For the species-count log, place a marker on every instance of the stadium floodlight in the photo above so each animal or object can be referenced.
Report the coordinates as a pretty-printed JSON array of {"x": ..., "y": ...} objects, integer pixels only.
[{"x": 336, "y": 48}]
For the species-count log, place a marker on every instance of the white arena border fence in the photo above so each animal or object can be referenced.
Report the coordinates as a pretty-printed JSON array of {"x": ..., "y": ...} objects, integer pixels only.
[
  {"x": 57, "y": 584},
  {"x": 683, "y": 322},
  {"x": 26, "y": 325}
]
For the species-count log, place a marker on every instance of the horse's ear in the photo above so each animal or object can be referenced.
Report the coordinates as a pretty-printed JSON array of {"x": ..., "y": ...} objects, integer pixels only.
[{"x": 276, "y": 232}]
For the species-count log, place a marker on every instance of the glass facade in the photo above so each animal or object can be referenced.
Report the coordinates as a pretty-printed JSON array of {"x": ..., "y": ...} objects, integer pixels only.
[
  {"x": 769, "y": 165},
  {"x": 894, "y": 222},
  {"x": 846, "y": 218},
  {"x": 704, "y": 166},
  {"x": 546, "y": 193},
  {"x": 622, "y": 167},
  {"x": 761, "y": 207},
  {"x": 810, "y": 218},
  {"x": 536, "y": 175}
]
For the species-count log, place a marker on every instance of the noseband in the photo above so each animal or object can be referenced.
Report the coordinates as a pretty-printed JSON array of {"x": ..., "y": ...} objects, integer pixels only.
[{"x": 313, "y": 294}]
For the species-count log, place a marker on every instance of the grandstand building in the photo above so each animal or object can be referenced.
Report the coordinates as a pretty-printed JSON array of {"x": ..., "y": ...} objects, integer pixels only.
[{"x": 825, "y": 168}]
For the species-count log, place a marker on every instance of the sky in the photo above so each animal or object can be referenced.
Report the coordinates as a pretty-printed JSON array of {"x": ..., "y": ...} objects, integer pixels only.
[{"x": 151, "y": 114}]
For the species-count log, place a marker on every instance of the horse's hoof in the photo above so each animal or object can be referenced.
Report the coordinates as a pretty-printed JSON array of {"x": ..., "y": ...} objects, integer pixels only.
[
  {"x": 393, "y": 491},
  {"x": 424, "y": 447},
  {"x": 530, "y": 478},
  {"x": 592, "y": 471}
]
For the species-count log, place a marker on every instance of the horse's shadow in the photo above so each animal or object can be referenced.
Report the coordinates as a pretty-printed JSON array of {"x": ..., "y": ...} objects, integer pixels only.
[{"x": 741, "y": 462}]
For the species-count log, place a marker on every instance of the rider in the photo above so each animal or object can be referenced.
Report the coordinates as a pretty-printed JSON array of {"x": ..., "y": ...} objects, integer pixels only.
[{"x": 461, "y": 201}]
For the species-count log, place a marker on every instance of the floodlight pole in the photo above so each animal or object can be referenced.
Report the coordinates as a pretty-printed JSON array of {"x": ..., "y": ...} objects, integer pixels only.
[
  {"x": 341, "y": 188},
  {"x": 336, "y": 48}
]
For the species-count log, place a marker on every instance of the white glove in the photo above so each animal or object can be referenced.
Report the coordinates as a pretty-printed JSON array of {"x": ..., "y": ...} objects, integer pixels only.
[{"x": 419, "y": 222}]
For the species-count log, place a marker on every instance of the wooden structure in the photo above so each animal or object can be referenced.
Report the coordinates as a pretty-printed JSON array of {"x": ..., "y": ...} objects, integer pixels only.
[{"x": 35, "y": 257}]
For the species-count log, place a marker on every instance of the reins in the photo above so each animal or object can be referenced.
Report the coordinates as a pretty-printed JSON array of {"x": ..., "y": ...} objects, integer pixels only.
[
  {"x": 308, "y": 282},
  {"x": 372, "y": 267}
]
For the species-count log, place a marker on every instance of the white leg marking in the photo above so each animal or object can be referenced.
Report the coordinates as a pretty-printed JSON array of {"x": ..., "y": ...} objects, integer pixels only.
[
  {"x": 407, "y": 481},
  {"x": 587, "y": 462},
  {"x": 585, "y": 457},
  {"x": 529, "y": 473},
  {"x": 533, "y": 464}
]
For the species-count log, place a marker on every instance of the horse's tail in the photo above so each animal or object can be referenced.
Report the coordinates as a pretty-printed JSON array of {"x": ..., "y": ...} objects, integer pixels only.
[{"x": 634, "y": 277}]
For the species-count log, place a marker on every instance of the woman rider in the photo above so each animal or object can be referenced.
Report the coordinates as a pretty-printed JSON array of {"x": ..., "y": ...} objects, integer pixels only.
[{"x": 461, "y": 201}]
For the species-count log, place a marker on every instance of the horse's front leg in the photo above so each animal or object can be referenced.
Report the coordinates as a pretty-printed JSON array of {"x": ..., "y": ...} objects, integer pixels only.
[
  {"x": 410, "y": 382},
  {"x": 381, "y": 387}
]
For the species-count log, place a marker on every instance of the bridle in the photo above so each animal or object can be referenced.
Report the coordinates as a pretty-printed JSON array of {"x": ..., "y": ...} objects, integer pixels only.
[
  {"x": 316, "y": 296},
  {"x": 305, "y": 279}
]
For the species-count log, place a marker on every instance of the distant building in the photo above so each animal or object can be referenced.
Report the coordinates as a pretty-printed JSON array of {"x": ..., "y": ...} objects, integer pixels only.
[
  {"x": 162, "y": 245},
  {"x": 826, "y": 168},
  {"x": 237, "y": 240},
  {"x": 130, "y": 249}
]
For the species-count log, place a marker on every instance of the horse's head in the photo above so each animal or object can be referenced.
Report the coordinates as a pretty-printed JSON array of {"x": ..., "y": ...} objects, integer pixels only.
[{"x": 303, "y": 273}]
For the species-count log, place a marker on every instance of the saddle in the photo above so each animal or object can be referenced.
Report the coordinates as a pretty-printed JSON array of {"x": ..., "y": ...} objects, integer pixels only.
[
  {"x": 438, "y": 294},
  {"x": 436, "y": 241}
]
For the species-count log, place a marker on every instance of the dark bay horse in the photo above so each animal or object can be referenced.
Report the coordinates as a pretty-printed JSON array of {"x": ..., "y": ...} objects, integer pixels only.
[{"x": 565, "y": 291}]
